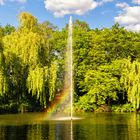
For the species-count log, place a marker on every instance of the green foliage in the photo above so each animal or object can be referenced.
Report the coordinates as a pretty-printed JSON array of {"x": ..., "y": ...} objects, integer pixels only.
[
  {"x": 85, "y": 103},
  {"x": 27, "y": 61},
  {"x": 8, "y": 29},
  {"x": 99, "y": 61},
  {"x": 3, "y": 80},
  {"x": 26, "y": 20},
  {"x": 3, "y": 83},
  {"x": 52, "y": 80},
  {"x": 102, "y": 84},
  {"x": 131, "y": 81},
  {"x": 57, "y": 46},
  {"x": 123, "y": 108},
  {"x": 25, "y": 45},
  {"x": 32, "y": 65},
  {"x": 36, "y": 82},
  {"x": 81, "y": 24}
]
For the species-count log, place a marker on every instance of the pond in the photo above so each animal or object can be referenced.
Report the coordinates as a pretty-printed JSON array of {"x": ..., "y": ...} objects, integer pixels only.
[{"x": 91, "y": 126}]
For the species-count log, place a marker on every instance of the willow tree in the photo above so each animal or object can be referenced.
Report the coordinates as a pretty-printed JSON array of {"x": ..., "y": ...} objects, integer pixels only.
[
  {"x": 26, "y": 53},
  {"x": 130, "y": 79},
  {"x": 3, "y": 83},
  {"x": 27, "y": 21}
]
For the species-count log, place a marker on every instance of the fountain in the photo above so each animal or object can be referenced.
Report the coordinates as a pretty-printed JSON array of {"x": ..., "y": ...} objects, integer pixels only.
[
  {"x": 64, "y": 99},
  {"x": 70, "y": 66},
  {"x": 68, "y": 80},
  {"x": 69, "y": 71}
]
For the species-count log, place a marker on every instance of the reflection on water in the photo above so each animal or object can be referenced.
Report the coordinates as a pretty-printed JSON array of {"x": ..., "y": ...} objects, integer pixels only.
[{"x": 103, "y": 126}]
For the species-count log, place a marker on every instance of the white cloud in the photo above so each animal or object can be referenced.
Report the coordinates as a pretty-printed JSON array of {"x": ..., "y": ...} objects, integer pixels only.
[
  {"x": 65, "y": 7},
  {"x": 104, "y": 1},
  {"x": 122, "y": 5},
  {"x": 133, "y": 27},
  {"x": 2, "y": 2},
  {"x": 130, "y": 18},
  {"x": 136, "y": 1},
  {"x": 20, "y": 1}
]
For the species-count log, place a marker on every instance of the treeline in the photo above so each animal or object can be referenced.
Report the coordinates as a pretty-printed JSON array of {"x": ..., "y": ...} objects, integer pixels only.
[{"x": 32, "y": 58}]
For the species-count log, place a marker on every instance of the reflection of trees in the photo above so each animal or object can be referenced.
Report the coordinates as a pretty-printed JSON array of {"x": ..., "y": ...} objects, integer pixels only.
[
  {"x": 2, "y": 133},
  {"x": 97, "y": 127},
  {"x": 133, "y": 126},
  {"x": 34, "y": 132},
  {"x": 63, "y": 130},
  {"x": 109, "y": 127},
  {"x": 13, "y": 132},
  {"x": 41, "y": 132},
  {"x": 50, "y": 131},
  {"x": 38, "y": 132}
]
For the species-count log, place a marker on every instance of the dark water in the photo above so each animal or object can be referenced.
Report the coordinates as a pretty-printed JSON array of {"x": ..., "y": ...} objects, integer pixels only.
[{"x": 99, "y": 126}]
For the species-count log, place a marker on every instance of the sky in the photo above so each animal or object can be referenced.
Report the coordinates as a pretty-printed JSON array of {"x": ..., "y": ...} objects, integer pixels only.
[{"x": 97, "y": 13}]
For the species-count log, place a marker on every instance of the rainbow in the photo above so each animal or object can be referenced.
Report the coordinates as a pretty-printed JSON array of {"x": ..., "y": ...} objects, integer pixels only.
[{"x": 58, "y": 100}]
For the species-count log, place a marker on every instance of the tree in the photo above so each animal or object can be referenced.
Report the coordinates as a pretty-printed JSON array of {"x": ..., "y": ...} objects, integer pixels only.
[
  {"x": 130, "y": 80},
  {"x": 27, "y": 66},
  {"x": 81, "y": 24},
  {"x": 8, "y": 29},
  {"x": 26, "y": 20},
  {"x": 3, "y": 81}
]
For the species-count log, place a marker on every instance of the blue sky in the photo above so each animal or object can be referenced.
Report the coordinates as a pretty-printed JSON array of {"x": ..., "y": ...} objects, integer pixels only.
[{"x": 97, "y": 13}]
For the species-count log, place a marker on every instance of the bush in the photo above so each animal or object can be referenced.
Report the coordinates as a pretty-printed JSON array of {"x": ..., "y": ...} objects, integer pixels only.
[{"x": 123, "y": 108}]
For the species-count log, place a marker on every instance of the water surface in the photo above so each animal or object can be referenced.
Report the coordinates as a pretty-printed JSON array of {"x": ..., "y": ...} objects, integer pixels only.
[{"x": 93, "y": 126}]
